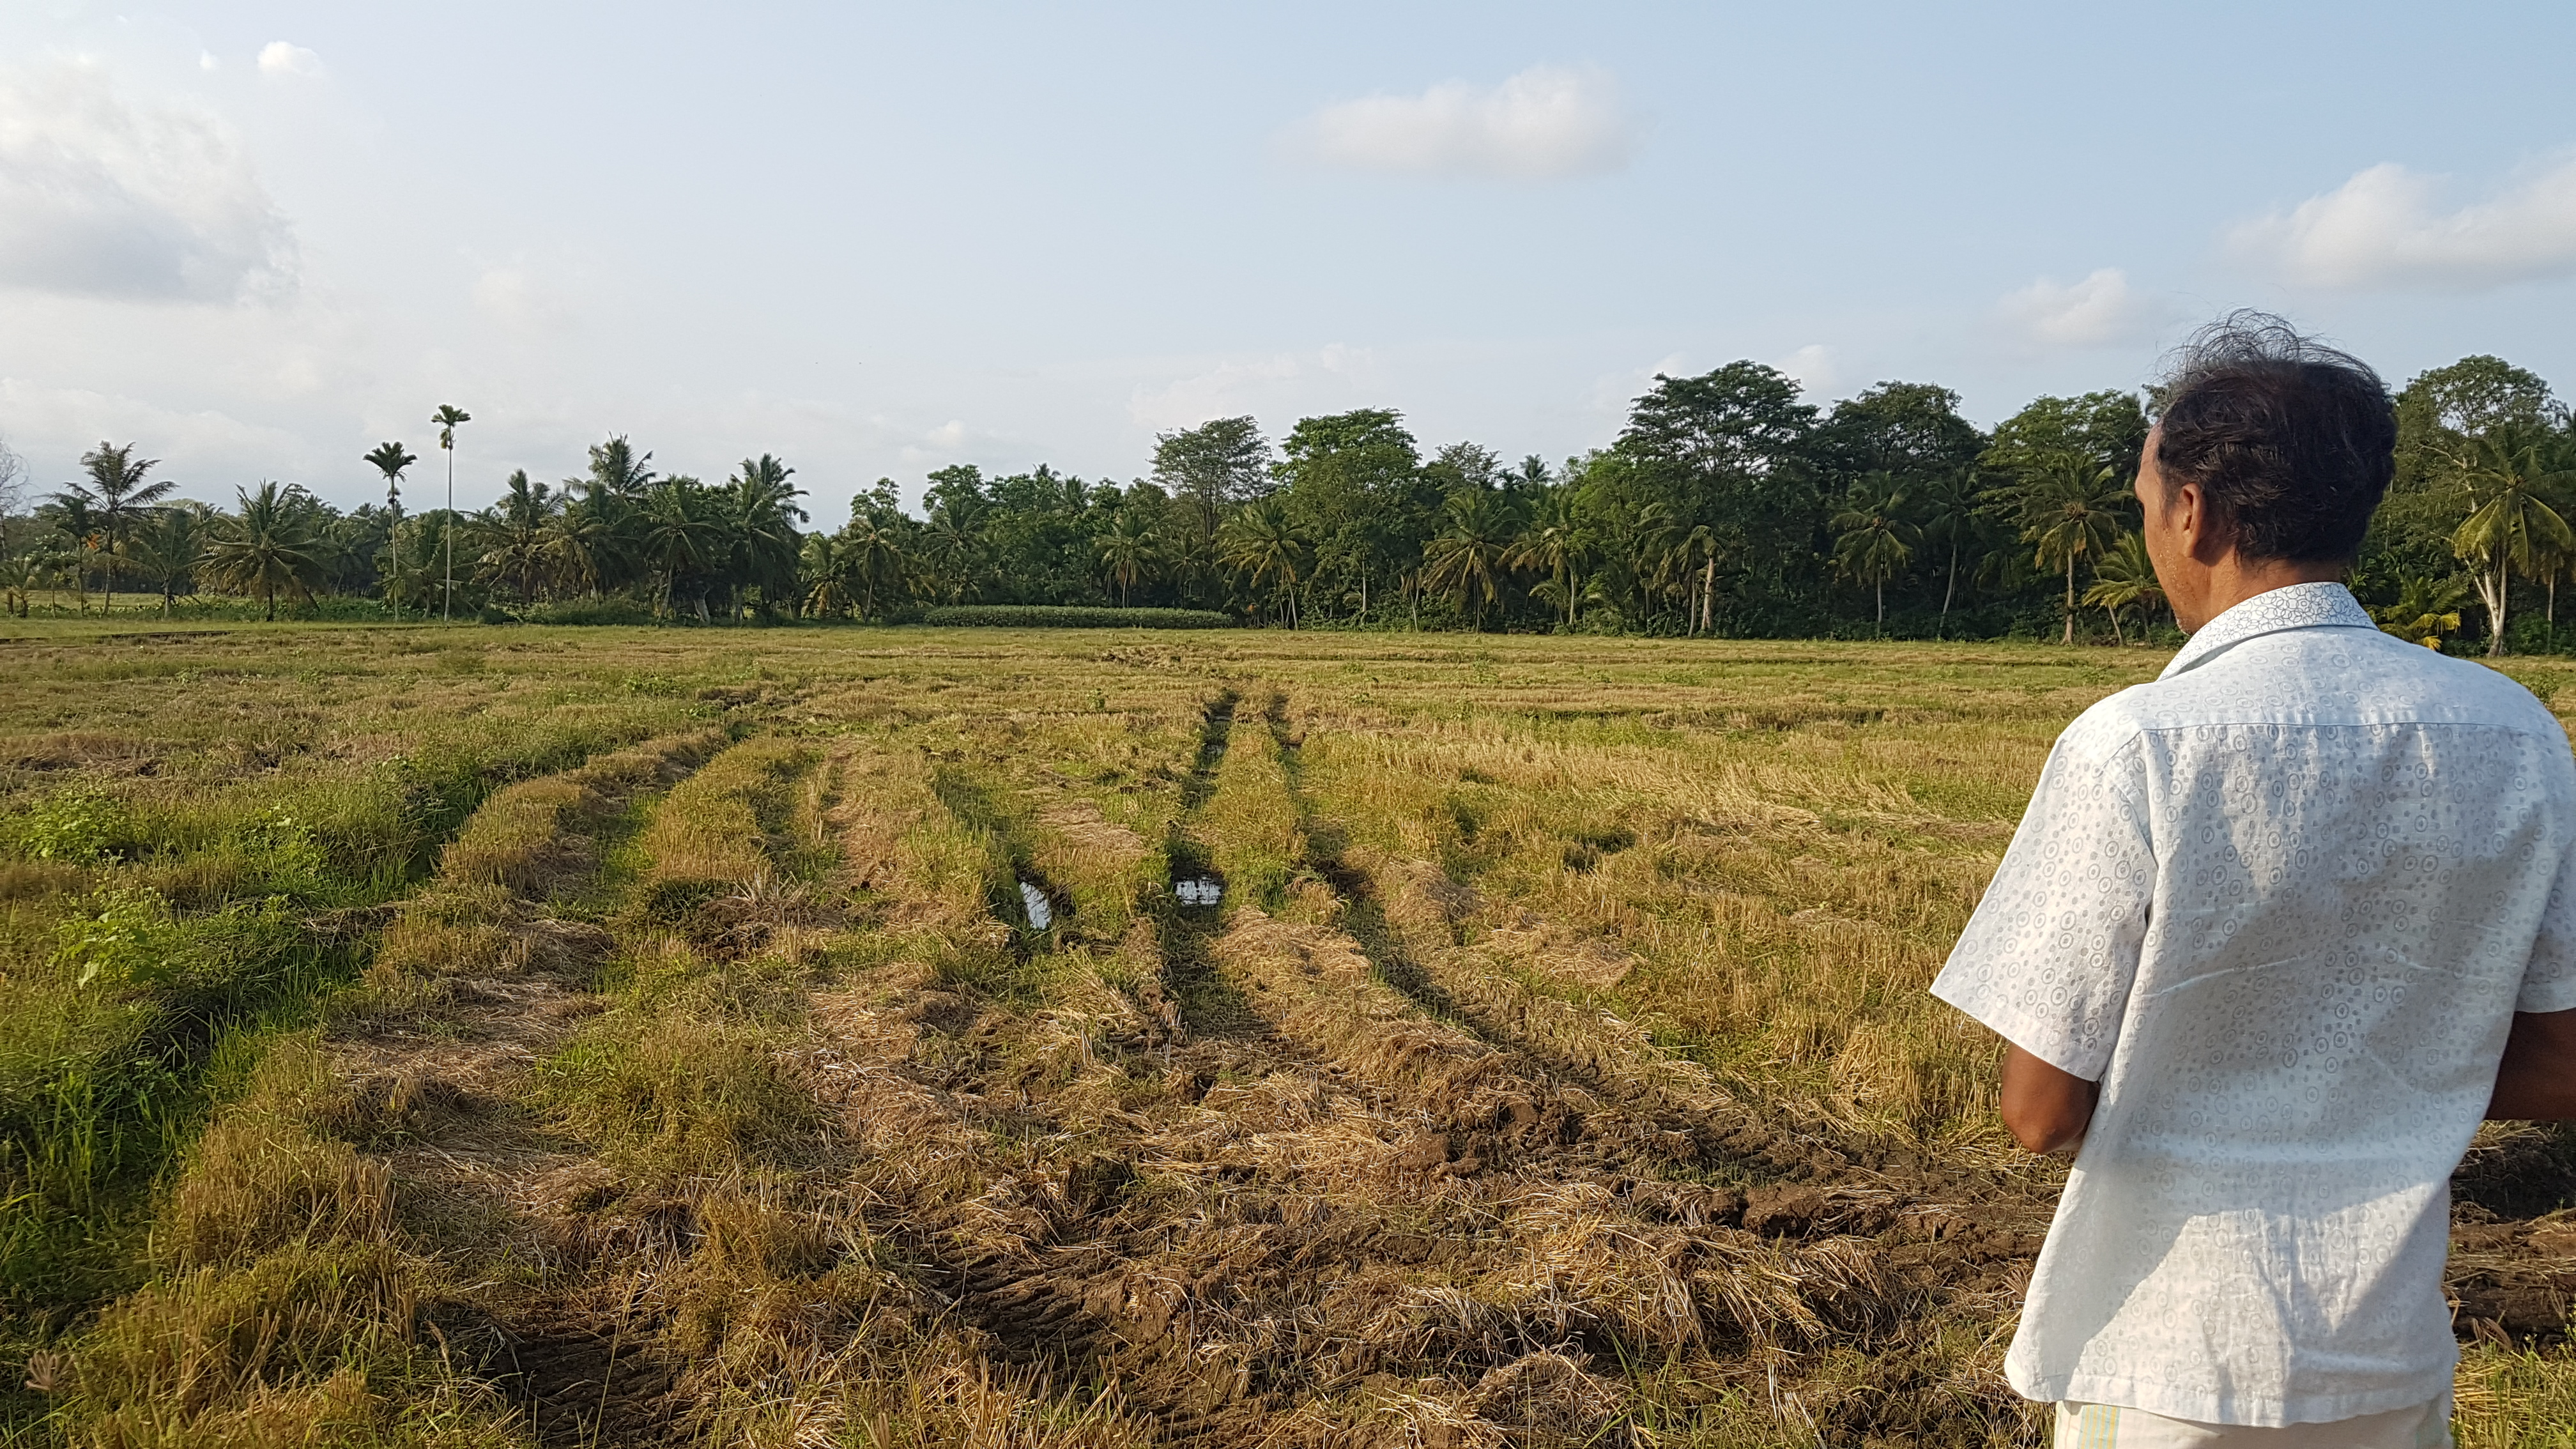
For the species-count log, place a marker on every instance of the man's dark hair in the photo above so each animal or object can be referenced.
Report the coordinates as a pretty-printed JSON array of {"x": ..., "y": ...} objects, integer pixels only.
[{"x": 2291, "y": 442}]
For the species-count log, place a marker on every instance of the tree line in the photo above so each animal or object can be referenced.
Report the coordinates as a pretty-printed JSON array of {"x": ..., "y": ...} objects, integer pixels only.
[{"x": 1726, "y": 505}]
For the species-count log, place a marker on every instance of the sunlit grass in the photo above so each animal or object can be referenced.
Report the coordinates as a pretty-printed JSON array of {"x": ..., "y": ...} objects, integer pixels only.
[{"x": 1697, "y": 878}]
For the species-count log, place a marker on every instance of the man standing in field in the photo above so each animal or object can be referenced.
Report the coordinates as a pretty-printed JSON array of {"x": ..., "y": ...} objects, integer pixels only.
[{"x": 2277, "y": 930}]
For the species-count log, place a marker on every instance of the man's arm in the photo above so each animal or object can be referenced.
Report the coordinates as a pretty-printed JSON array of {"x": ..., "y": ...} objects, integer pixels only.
[
  {"x": 2536, "y": 1081},
  {"x": 2047, "y": 1108}
]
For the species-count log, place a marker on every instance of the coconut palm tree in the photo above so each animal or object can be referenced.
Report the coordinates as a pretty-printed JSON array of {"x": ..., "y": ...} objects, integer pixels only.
[
  {"x": 75, "y": 517},
  {"x": 2508, "y": 477},
  {"x": 1650, "y": 554},
  {"x": 2069, "y": 513},
  {"x": 1873, "y": 539},
  {"x": 447, "y": 419},
  {"x": 869, "y": 559},
  {"x": 2426, "y": 609},
  {"x": 391, "y": 460},
  {"x": 1262, "y": 541},
  {"x": 585, "y": 547},
  {"x": 760, "y": 516},
  {"x": 1698, "y": 550},
  {"x": 952, "y": 545},
  {"x": 616, "y": 468},
  {"x": 168, "y": 548},
  {"x": 20, "y": 575},
  {"x": 267, "y": 546},
  {"x": 516, "y": 545},
  {"x": 678, "y": 533},
  {"x": 408, "y": 565},
  {"x": 1467, "y": 559},
  {"x": 120, "y": 498},
  {"x": 1558, "y": 545},
  {"x": 1129, "y": 551},
  {"x": 1191, "y": 560},
  {"x": 2126, "y": 576},
  {"x": 1953, "y": 512}
]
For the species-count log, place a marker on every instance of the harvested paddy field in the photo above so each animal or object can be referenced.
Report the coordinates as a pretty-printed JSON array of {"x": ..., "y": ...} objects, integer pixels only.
[{"x": 888, "y": 1037}]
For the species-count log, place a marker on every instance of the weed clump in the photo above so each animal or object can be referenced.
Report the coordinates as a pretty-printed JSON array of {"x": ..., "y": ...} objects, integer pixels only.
[{"x": 680, "y": 1094}]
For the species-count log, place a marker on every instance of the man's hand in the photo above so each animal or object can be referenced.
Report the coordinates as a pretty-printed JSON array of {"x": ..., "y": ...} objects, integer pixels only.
[
  {"x": 2536, "y": 1081},
  {"x": 2046, "y": 1109}
]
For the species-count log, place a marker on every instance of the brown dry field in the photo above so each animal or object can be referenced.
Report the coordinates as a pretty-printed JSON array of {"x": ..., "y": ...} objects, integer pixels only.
[{"x": 676, "y": 1060}]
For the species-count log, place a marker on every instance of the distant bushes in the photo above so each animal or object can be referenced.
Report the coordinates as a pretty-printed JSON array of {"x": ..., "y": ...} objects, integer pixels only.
[
  {"x": 1054, "y": 616},
  {"x": 585, "y": 611}
]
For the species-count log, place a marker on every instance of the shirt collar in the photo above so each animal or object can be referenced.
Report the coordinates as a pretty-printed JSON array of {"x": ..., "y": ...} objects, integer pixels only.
[{"x": 2295, "y": 606}]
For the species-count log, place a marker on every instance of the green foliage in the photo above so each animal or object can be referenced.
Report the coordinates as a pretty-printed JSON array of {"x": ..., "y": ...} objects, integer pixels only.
[
  {"x": 1049, "y": 616},
  {"x": 269, "y": 546},
  {"x": 120, "y": 938},
  {"x": 75, "y": 825},
  {"x": 2427, "y": 611},
  {"x": 1725, "y": 505},
  {"x": 586, "y": 611}
]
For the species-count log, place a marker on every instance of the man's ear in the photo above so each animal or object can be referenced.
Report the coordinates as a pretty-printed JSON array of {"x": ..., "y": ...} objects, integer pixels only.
[{"x": 2189, "y": 513}]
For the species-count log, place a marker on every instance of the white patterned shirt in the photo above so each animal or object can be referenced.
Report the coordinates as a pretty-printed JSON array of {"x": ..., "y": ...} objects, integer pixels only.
[{"x": 2281, "y": 903}]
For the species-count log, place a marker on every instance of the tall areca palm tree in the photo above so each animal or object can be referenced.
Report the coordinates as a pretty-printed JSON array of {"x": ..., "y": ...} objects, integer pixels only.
[
  {"x": 391, "y": 459},
  {"x": 121, "y": 499},
  {"x": 2508, "y": 478},
  {"x": 1129, "y": 550},
  {"x": 2126, "y": 576},
  {"x": 1468, "y": 558},
  {"x": 168, "y": 548},
  {"x": 2069, "y": 513},
  {"x": 1873, "y": 539},
  {"x": 1262, "y": 541},
  {"x": 447, "y": 419},
  {"x": 267, "y": 546}
]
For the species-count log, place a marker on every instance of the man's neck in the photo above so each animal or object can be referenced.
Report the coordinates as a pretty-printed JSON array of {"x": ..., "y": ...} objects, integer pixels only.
[{"x": 2231, "y": 581}]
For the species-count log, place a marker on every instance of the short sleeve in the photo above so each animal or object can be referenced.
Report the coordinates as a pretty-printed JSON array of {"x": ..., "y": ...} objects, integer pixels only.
[
  {"x": 2549, "y": 981},
  {"x": 2049, "y": 956}
]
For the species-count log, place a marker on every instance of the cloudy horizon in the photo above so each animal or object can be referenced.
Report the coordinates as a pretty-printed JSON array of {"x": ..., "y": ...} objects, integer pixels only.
[{"x": 877, "y": 242}]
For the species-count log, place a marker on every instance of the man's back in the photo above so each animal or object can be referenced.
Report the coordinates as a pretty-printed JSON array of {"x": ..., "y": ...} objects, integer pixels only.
[{"x": 2282, "y": 904}]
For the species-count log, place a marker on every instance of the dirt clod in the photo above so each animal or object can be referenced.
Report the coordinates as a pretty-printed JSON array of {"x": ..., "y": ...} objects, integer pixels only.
[
  {"x": 1786, "y": 1210},
  {"x": 1422, "y": 1151}
]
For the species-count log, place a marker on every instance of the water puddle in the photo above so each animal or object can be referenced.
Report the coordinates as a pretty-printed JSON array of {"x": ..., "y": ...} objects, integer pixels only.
[
  {"x": 1199, "y": 890},
  {"x": 1041, "y": 913}
]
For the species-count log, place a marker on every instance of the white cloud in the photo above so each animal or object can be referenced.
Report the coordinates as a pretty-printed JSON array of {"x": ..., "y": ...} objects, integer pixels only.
[
  {"x": 1614, "y": 393},
  {"x": 2100, "y": 311},
  {"x": 206, "y": 61},
  {"x": 281, "y": 58},
  {"x": 1237, "y": 386},
  {"x": 514, "y": 296},
  {"x": 1814, "y": 366},
  {"x": 66, "y": 420},
  {"x": 2384, "y": 228},
  {"x": 1544, "y": 123},
  {"x": 99, "y": 198}
]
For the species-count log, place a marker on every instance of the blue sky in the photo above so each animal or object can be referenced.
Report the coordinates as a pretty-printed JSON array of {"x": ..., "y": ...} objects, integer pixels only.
[{"x": 259, "y": 238}]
